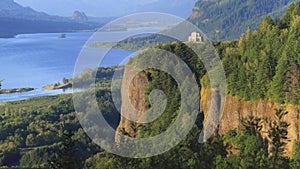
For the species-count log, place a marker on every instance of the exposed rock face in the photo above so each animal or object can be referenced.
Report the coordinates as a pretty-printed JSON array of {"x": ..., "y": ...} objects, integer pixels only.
[
  {"x": 135, "y": 96},
  {"x": 235, "y": 109},
  {"x": 79, "y": 16},
  {"x": 196, "y": 13}
]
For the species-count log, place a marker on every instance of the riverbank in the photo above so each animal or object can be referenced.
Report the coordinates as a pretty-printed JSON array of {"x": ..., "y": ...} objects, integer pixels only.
[
  {"x": 57, "y": 86},
  {"x": 16, "y": 90}
]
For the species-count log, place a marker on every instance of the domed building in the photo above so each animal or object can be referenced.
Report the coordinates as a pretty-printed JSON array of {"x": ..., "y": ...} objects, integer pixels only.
[{"x": 196, "y": 37}]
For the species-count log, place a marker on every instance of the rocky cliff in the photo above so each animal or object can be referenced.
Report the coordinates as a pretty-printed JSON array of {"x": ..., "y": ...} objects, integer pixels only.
[
  {"x": 234, "y": 110},
  {"x": 79, "y": 16},
  {"x": 132, "y": 98}
]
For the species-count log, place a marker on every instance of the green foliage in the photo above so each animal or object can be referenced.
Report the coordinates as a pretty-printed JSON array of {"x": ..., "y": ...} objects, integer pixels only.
[
  {"x": 68, "y": 157},
  {"x": 184, "y": 155},
  {"x": 99, "y": 77},
  {"x": 253, "y": 150},
  {"x": 246, "y": 149},
  {"x": 295, "y": 158},
  {"x": 136, "y": 43},
  {"x": 65, "y": 81},
  {"x": 142, "y": 42},
  {"x": 37, "y": 158},
  {"x": 278, "y": 135},
  {"x": 33, "y": 131},
  {"x": 189, "y": 153},
  {"x": 163, "y": 81},
  {"x": 253, "y": 64},
  {"x": 264, "y": 64},
  {"x": 227, "y": 19}
]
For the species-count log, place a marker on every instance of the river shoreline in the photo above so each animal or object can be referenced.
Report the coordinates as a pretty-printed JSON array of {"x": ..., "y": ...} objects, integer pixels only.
[{"x": 16, "y": 90}]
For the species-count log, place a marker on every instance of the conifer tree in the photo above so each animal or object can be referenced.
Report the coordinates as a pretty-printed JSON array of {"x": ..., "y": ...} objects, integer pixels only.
[
  {"x": 67, "y": 157},
  {"x": 278, "y": 139}
]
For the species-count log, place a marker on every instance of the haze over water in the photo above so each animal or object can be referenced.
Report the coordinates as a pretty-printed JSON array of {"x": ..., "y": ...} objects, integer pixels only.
[{"x": 36, "y": 60}]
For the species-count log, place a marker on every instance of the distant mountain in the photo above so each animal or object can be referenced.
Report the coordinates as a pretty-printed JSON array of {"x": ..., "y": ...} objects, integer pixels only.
[
  {"x": 79, "y": 16},
  {"x": 228, "y": 19},
  {"x": 10, "y": 9},
  {"x": 111, "y": 8},
  {"x": 16, "y": 19}
]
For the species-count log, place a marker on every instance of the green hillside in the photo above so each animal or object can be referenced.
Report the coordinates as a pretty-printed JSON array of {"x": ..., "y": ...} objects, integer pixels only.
[
  {"x": 265, "y": 63},
  {"x": 227, "y": 19}
]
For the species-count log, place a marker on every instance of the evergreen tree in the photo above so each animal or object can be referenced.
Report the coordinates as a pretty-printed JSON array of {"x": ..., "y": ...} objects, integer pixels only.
[
  {"x": 253, "y": 148},
  {"x": 278, "y": 88},
  {"x": 278, "y": 135},
  {"x": 262, "y": 77},
  {"x": 67, "y": 157}
]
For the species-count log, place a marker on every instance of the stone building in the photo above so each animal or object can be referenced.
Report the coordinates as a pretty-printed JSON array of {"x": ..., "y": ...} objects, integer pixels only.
[{"x": 196, "y": 37}]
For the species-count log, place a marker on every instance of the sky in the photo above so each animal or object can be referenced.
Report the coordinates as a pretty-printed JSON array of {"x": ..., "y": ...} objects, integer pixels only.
[{"x": 107, "y": 8}]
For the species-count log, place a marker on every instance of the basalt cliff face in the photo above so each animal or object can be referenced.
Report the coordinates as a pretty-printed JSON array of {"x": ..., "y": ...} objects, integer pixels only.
[
  {"x": 233, "y": 111},
  {"x": 133, "y": 97}
]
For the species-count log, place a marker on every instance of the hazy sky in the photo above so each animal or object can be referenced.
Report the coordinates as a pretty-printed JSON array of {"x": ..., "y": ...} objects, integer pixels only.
[{"x": 105, "y": 7}]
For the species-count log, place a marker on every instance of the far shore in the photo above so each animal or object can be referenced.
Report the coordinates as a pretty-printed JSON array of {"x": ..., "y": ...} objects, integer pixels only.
[
  {"x": 57, "y": 87},
  {"x": 15, "y": 90},
  {"x": 10, "y": 36}
]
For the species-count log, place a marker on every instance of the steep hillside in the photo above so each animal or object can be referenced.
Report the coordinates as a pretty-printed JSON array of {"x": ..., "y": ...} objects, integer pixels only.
[
  {"x": 265, "y": 63},
  {"x": 10, "y": 9},
  {"x": 260, "y": 120},
  {"x": 236, "y": 109},
  {"x": 227, "y": 19},
  {"x": 16, "y": 19},
  {"x": 261, "y": 65}
]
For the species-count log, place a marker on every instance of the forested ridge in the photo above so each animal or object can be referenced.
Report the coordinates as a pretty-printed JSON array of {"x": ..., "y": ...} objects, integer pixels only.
[
  {"x": 42, "y": 131},
  {"x": 263, "y": 64},
  {"x": 227, "y": 19}
]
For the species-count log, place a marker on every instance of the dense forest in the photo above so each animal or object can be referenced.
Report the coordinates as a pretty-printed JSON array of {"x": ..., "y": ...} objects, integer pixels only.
[
  {"x": 39, "y": 132},
  {"x": 219, "y": 20},
  {"x": 227, "y": 19},
  {"x": 44, "y": 132},
  {"x": 263, "y": 64},
  {"x": 265, "y": 59}
]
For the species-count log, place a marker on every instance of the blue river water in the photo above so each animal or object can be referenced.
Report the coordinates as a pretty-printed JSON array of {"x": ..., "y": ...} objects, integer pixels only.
[{"x": 35, "y": 60}]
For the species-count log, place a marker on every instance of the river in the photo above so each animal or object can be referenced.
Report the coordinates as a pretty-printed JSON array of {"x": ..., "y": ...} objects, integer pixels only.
[{"x": 35, "y": 60}]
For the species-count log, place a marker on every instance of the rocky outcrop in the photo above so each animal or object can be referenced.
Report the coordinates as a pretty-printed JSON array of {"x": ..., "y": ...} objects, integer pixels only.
[
  {"x": 196, "y": 13},
  {"x": 79, "y": 16},
  {"x": 235, "y": 109},
  {"x": 132, "y": 98}
]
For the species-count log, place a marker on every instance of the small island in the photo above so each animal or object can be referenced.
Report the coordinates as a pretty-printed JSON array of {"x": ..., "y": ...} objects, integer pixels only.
[
  {"x": 62, "y": 35},
  {"x": 15, "y": 90}
]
